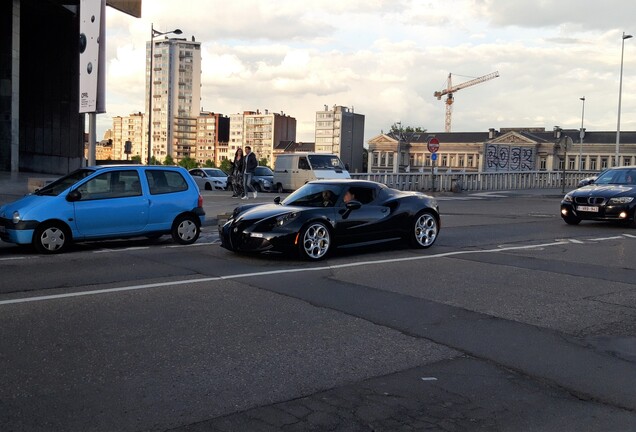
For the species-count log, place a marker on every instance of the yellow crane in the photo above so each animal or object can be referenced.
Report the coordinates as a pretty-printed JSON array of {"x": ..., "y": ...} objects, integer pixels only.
[{"x": 450, "y": 89}]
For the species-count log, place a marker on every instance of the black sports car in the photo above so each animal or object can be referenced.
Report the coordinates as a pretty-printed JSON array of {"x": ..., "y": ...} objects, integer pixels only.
[
  {"x": 612, "y": 197},
  {"x": 327, "y": 214}
]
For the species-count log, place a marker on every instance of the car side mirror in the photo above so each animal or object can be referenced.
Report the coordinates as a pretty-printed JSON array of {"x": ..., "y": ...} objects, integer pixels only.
[
  {"x": 353, "y": 205},
  {"x": 277, "y": 200},
  {"x": 73, "y": 196}
]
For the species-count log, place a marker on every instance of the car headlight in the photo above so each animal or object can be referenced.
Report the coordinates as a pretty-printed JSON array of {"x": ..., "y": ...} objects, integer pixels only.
[
  {"x": 567, "y": 198},
  {"x": 620, "y": 200},
  {"x": 16, "y": 217},
  {"x": 266, "y": 182},
  {"x": 286, "y": 218}
]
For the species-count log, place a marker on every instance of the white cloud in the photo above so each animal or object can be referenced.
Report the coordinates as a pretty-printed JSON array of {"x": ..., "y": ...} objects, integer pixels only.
[{"x": 386, "y": 58}]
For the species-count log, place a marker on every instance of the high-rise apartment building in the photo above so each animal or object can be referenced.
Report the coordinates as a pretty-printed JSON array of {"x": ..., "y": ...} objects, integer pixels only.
[
  {"x": 341, "y": 131},
  {"x": 213, "y": 132},
  {"x": 176, "y": 97},
  {"x": 132, "y": 128},
  {"x": 262, "y": 131}
]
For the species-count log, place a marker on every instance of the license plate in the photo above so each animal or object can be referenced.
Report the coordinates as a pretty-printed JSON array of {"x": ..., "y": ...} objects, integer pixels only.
[{"x": 591, "y": 209}]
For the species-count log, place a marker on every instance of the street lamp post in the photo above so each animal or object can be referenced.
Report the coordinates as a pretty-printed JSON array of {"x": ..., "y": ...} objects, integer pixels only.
[
  {"x": 620, "y": 88},
  {"x": 153, "y": 33},
  {"x": 581, "y": 135}
]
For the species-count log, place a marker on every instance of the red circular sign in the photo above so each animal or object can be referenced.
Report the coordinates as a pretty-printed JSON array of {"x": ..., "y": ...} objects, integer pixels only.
[{"x": 433, "y": 145}]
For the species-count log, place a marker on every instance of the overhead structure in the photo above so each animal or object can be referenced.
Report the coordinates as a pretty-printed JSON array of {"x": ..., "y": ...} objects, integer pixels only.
[{"x": 450, "y": 89}]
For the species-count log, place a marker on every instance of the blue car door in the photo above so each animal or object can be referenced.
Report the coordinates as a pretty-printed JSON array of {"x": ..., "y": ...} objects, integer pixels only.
[{"x": 111, "y": 204}]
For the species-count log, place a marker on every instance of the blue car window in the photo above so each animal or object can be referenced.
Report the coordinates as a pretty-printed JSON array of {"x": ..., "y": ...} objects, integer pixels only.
[
  {"x": 113, "y": 184},
  {"x": 164, "y": 181}
]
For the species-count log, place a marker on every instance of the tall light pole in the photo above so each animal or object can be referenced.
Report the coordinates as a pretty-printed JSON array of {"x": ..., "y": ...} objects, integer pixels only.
[
  {"x": 581, "y": 135},
  {"x": 620, "y": 88},
  {"x": 153, "y": 33}
]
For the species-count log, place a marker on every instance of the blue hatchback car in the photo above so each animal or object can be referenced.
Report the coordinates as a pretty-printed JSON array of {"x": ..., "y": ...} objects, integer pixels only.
[{"x": 106, "y": 202}]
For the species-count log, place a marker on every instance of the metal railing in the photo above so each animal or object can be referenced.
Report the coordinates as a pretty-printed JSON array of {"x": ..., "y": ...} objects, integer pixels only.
[{"x": 457, "y": 182}]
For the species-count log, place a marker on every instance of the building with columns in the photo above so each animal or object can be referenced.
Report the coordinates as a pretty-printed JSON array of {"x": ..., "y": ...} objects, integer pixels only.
[{"x": 509, "y": 149}]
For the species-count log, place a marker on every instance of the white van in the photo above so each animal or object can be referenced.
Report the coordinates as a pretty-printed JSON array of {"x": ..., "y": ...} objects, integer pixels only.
[{"x": 292, "y": 170}]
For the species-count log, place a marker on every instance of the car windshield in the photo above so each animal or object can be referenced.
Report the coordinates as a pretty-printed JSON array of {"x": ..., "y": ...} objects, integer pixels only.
[
  {"x": 325, "y": 162},
  {"x": 263, "y": 171},
  {"x": 60, "y": 185},
  {"x": 625, "y": 176},
  {"x": 314, "y": 195},
  {"x": 215, "y": 173}
]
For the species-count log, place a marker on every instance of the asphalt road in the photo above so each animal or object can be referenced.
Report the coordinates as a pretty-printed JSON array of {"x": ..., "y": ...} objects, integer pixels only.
[{"x": 512, "y": 321}]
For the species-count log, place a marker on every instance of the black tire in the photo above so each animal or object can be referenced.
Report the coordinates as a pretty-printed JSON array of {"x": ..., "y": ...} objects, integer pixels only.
[
  {"x": 257, "y": 187},
  {"x": 424, "y": 230},
  {"x": 51, "y": 238},
  {"x": 185, "y": 229},
  {"x": 279, "y": 188},
  {"x": 208, "y": 186},
  {"x": 315, "y": 241},
  {"x": 571, "y": 219}
]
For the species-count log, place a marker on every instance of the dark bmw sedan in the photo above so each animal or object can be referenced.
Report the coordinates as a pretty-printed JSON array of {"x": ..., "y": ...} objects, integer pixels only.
[{"x": 612, "y": 197}]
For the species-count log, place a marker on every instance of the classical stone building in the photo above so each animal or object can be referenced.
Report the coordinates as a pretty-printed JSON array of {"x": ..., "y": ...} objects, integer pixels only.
[{"x": 509, "y": 149}]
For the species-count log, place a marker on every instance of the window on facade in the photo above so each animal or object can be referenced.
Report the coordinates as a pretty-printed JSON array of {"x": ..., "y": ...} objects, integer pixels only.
[
  {"x": 444, "y": 160},
  {"x": 427, "y": 161},
  {"x": 543, "y": 164},
  {"x": 561, "y": 164},
  {"x": 627, "y": 161},
  {"x": 460, "y": 161},
  {"x": 603, "y": 163},
  {"x": 389, "y": 161},
  {"x": 593, "y": 164},
  {"x": 470, "y": 160},
  {"x": 571, "y": 163},
  {"x": 375, "y": 158}
]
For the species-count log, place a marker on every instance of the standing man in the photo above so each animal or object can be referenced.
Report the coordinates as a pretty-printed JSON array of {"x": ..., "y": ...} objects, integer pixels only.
[{"x": 250, "y": 166}]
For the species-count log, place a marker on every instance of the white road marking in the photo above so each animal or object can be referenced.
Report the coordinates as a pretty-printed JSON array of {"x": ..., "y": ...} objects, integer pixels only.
[
  {"x": 268, "y": 273},
  {"x": 576, "y": 241},
  {"x": 606, "y": 238},
  {"x": 13, "y": 258}
]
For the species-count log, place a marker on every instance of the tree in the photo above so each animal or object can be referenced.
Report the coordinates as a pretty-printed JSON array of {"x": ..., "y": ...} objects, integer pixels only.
[
  {"x": 168, "y": 160},
  {"x": 188, "y": 163},
  {"x": 209, "y": 164},
  {"x": 263, "y": 162},
  {"x": 395, "y": 129},
  {"x": 226, "y": 165},
  {"x": 154, "y": 161},
  {"x": 136, "y": 159}
]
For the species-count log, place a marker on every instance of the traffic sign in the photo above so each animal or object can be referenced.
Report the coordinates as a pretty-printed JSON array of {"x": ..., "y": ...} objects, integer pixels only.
[
  {"x": 434, "y": 157},
  {"x": 433, "y": 145}
]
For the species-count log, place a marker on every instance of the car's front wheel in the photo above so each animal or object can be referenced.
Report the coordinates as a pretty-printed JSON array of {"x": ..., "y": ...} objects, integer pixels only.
[
  {"x": 279, "y": 188},
  {"x": 208, "y": 186},
  {"x": 315, "y": 241},
  {"x": 51, "y": 237},
  {"x": 424, "y": 230},
  {"x": 186, "y": 230},
  {"x": 570, "y": 219}
]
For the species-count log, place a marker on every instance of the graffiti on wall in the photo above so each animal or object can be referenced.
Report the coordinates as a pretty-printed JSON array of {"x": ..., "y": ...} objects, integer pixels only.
[{"x": 502, "y": 157}]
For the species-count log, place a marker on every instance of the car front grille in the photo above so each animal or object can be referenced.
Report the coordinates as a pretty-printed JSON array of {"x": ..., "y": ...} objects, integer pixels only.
[{"x": 590, "y": 200}]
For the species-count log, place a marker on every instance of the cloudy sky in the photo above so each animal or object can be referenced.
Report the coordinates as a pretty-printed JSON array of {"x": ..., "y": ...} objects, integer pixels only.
[{"x": 386, "y": 58}]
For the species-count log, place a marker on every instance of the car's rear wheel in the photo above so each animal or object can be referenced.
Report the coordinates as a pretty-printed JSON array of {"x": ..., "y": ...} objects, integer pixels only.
[
  {"x": 279, "y": 188},
  {"x": 424, "y": 230},
  {"x": 315, "y": 241},
  {"x": 570, "y": 219},
  {"x": 185, "y": 230},
  {"x": 51, "y": 237}
]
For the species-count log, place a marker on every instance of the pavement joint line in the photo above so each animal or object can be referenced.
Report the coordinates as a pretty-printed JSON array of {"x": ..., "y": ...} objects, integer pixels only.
[{"x": 267, "y": 273}]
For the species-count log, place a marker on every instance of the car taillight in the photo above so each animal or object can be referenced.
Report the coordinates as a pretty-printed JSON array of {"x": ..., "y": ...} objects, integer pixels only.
[{"x": 200, "y": 201}]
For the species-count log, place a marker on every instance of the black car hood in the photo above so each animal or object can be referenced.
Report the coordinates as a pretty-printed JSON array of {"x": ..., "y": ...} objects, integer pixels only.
[
  {"x": 266, "y": 211},
  {"x": 605, "y": 191}
]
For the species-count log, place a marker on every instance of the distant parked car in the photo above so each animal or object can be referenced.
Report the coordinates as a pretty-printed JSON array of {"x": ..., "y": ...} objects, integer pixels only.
[
  {"x": 209, "y": 178},
  {"x": 263, "y": 179},
  {"x": 106, "y": 202},
  {"x": 589, "y": 180},
  {"x": 612, "y": 198}
]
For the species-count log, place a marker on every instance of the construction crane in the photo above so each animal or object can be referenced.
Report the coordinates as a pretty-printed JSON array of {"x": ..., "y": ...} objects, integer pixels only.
[{"x": 450, "y": 89}]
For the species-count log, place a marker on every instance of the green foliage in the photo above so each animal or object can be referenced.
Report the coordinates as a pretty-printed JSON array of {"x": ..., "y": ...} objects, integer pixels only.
[
  {"x": 136, "y": 159},
  {"x": 168, "y": 160},
  {"x": 395, "y": 128},
  {"x": 263, "y": 162},
  {"x": 188, "y": 163},
  {"x": 154, "y": 161},
  {"x": 226, "y": 165},
  {"x": 209, "y": 164}
]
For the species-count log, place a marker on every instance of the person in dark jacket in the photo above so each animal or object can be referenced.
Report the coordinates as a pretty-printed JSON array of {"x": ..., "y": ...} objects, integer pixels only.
[
  {"x": 249, "y": 165},
  {"x": 237, "y": 173}
]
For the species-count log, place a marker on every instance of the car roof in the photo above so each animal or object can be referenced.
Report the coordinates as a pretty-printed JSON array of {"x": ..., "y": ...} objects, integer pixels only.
[{"x": 350, "y": 182}]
